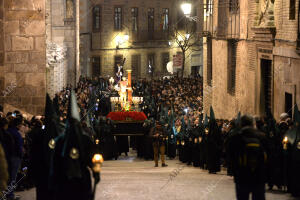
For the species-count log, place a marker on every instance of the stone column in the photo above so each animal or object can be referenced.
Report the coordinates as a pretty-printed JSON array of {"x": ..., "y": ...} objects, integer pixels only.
[
  {"x": 129, "y": 85},
  {"x": 77, "y": 43}
]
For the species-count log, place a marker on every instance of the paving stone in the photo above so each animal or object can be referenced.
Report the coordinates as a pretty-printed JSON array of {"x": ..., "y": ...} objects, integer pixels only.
[{"x": 135, "y": 179}]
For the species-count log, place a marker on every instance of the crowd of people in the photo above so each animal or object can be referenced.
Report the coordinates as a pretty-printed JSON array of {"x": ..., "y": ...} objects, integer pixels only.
[{"x": 254, "y": 151}]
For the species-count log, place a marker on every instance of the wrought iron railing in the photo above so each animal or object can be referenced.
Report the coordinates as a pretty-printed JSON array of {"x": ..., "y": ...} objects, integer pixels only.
[{"x": 147, "y": 35}]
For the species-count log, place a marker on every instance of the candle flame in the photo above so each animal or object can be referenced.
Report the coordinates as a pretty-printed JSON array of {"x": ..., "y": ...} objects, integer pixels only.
[{"x": 285, "y": 140}]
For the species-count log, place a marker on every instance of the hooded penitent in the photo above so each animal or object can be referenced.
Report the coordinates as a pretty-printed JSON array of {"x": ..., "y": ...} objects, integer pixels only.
[
  {"x": 73, "y": 150},
  {"x": 51, "y": 129}
]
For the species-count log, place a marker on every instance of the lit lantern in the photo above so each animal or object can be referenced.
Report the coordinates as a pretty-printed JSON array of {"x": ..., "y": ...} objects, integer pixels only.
[
  {"x": 97, "y": 161},
  {"x": 285, "y": 142}
]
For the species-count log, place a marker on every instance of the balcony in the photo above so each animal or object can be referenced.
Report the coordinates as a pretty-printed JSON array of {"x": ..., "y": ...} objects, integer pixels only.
[{"x": 147, "y": 36}]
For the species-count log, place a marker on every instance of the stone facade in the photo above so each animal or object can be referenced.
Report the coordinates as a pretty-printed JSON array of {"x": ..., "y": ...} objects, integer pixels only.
[
  {"x": 102, "y": 44},
  {"x": 266, "y": 60},
  {"x": 60, "y": 31},
  {"x": 22, "y": 55}
]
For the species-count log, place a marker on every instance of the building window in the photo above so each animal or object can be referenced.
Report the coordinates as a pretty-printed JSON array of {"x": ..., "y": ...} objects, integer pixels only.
[
  {"x": 96, "y": 18},
  {"x": 209, "y": 61},
  {"x": 150, "y": 23},
  {"x": 165, "y": 59},
  {"x": 231, "y": 67},
  {"x": 134, "y": 17},
  {"x": 209, "y": 8},
  {"x": 208, "y": 19},
  {"x": 233, "y": 6},
  {"x": 151, "y": 64},
  {"x": 292, "y": 9},
  {"x": 165, "y": 19},
  {"x": 96, "y": 66},
  {"x": 136, "y": 66},
  {"x": 118, "y": 18},
  {"x": 69, "y": 9}
]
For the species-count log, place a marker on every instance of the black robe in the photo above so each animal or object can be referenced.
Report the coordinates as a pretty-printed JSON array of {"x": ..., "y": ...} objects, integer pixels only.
[
  {"x": 75, "y": 188},
  {"x": 214, "y": 148}
]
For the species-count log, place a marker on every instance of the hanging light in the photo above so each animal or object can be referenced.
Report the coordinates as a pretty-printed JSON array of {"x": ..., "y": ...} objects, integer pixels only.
[{"x": 186, "y": 8}]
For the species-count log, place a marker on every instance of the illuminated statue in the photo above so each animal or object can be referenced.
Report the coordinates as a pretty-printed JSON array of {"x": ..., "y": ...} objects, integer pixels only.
[{"x": 123, "y": 92}]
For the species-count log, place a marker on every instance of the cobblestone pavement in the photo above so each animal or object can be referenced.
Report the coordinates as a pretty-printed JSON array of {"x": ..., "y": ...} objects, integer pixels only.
[{"x": 134, "y": 179}]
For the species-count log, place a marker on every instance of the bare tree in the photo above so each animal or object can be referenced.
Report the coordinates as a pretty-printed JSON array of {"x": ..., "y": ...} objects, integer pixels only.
[{"x": 187, "y": 39}]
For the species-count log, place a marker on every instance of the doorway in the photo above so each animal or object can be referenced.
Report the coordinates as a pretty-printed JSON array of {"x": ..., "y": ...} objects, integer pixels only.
[
  {"x": 288, "y": 104},
  {"x": 266, "y": 86},
  {"x": 96, "y": 66}
]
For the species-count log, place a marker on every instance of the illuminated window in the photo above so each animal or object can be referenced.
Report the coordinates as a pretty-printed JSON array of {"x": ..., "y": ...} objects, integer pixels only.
[
  {"x": 134, "y": 17},
  {"x": 118, "y": 18},
  {"x": 165, "y": 19}
]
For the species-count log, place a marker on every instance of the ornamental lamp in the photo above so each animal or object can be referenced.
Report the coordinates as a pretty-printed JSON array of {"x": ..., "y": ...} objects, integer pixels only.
[
  {"x": 186, "y": 7},
  {"x": 97, "y": 162}
]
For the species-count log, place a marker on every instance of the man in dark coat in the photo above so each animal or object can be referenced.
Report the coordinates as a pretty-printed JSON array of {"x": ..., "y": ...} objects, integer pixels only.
[
  {"x": 72, "y": 158},
  {"x": 249, "y": 158},
  {"x": 159, "y": 147}
]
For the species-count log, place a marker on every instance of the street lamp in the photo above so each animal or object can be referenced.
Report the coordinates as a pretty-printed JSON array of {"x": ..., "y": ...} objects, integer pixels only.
[
  {"x": 186, "y": 8},
  {"x": 121, "y": 39}
]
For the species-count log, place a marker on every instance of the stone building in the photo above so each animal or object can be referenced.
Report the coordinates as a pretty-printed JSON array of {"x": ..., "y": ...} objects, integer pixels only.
[
  {"x": 137, "y": 30},
  {"x": 61, "y": 43},
  {"x": 22, "y": 55},
  {"x": 250, "y": 57}
]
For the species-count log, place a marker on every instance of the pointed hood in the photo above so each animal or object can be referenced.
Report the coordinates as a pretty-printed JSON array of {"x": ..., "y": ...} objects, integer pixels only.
[
  {"x": 51, "y": 120},
  {"x": 212, "y": 115},
  {"x": 238, "y": 121},
  {"x": 73, "y": 110},
  {"x": 73, "y": 151},
  {"x": 205, "y": 121},
  {"x": 55, "y": 105},
  {"x": 212, "y": 125},
  {"x": 51, "y": 130}
]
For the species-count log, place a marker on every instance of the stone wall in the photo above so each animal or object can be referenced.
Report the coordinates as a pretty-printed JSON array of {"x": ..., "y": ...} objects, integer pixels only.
[
  {"x": 22, "y": 56},
  {"x": 61, "y": 33},
  {"x": 276, "y": 43},
  {"x": 286, "y": 57}
]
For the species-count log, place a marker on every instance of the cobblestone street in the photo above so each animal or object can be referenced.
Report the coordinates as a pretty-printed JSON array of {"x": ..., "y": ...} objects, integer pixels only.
[{"x": 135, "y": 179}]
